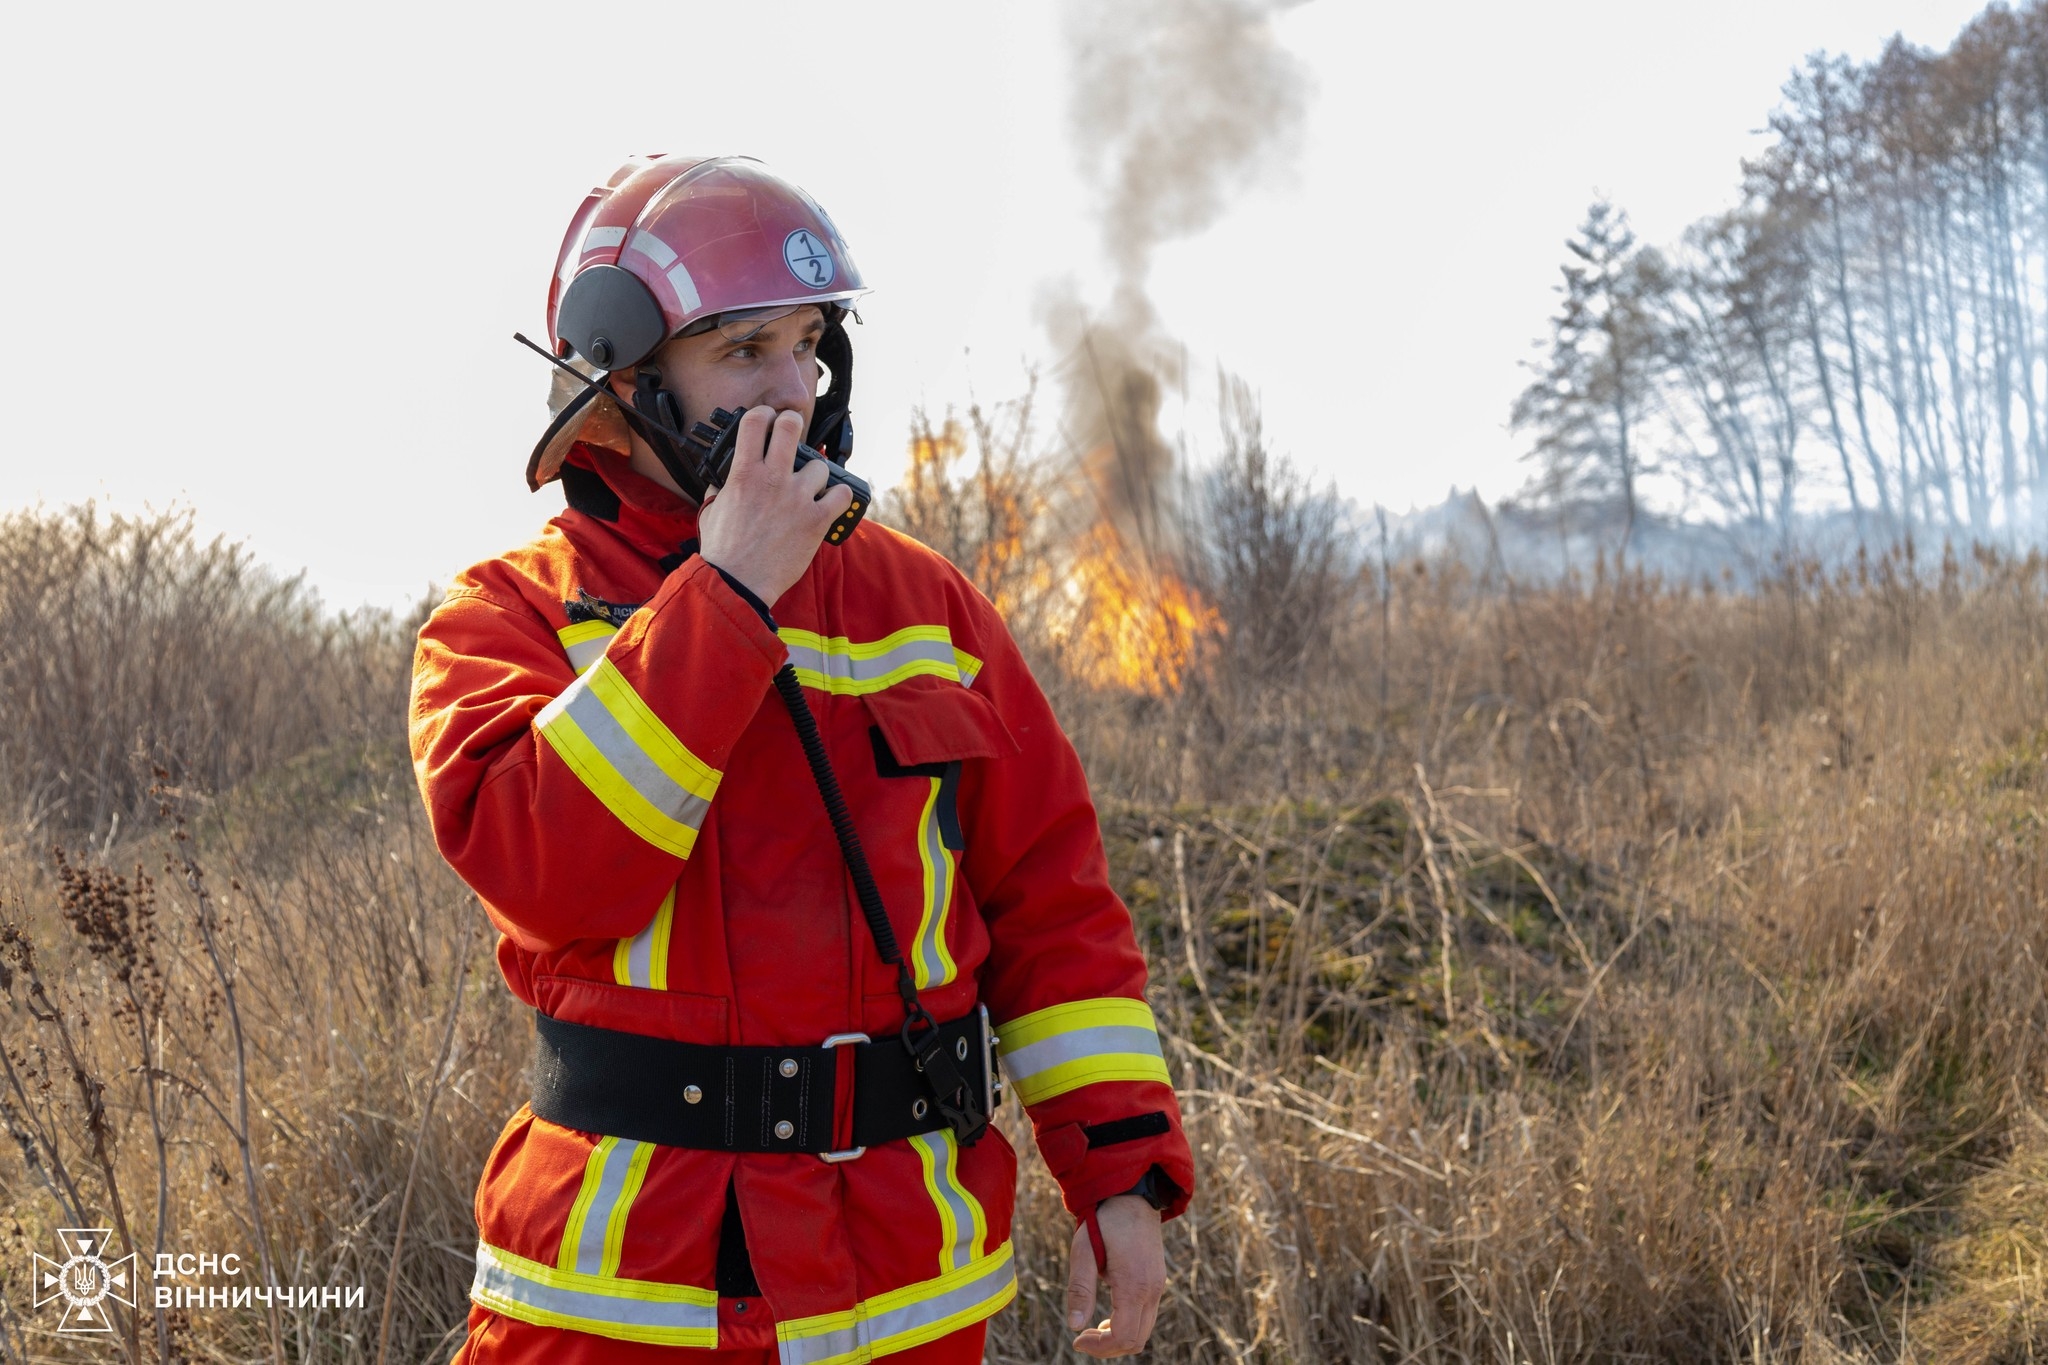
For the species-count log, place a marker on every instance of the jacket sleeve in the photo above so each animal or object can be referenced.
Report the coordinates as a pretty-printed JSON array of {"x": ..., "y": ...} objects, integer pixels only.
[
  {"x": 1064, "y": 980},
  {"x": 568, "y": 802}
]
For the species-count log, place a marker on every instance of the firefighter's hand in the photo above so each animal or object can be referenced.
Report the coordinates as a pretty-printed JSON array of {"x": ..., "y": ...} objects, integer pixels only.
[
  {"x": 765, "y": 525},
  {"x": 1137, "y": 1277}
]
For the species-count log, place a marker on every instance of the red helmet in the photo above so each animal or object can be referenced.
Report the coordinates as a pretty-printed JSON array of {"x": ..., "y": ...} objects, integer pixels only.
[
  {"x": 671, "y": 244},
  {"x": 704, "y": 236}
]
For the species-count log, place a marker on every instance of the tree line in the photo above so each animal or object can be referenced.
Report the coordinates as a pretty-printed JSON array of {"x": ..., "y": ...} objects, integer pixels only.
[{"x": 1866, "y": 332}]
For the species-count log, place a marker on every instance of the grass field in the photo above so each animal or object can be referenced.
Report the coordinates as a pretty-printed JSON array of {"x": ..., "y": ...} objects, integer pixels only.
[{"x": 1596, "y": 971}]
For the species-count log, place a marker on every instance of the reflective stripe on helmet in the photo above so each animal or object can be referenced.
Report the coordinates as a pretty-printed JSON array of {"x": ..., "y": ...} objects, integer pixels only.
[
  {"x": 626, "y": 1310},
  {"x": 902, "y": 1318},
  {"x": 1052, "y": 1051},
  {"x": 708, "y": 235},
  {"x": 629, "y": 760}
]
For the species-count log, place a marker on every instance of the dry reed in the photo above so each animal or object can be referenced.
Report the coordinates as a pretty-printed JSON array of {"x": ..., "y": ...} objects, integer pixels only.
[{"x": 1601, "y": 970}]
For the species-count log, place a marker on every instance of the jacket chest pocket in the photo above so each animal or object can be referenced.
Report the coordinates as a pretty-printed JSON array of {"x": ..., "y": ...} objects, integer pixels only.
[{"x": 921, "y": 738}]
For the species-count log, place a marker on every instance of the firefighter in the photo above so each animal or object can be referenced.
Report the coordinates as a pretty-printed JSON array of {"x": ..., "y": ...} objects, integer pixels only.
[{"x": 784, "y": 847}]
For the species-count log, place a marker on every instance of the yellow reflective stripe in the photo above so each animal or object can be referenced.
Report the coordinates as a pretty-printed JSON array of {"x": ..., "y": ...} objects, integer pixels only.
[
  {"x": 615, "y": 1226},
  {"x": 596, "y": 1227},
  {"x": 619, "y": 796},
  {"x": 904, "y": 1317},
  {"x": 629, "y": 760},
  {"x": 932, "y": 964},
  {"x": 625, "y": 1310},
  {"x": 579, "y": 1211},
  {"x": 852, "y": 668},
  {"x": 931, "y": 1162},
  {"x": 645, "y": 729},
  {"x": 969, "y": 666},
  {"x": 977, "y": 1236},
  {"x": 1052, "y": 1051},
  {"x": 585, "y": 642},
  {"x": 642, "y": 960},
  {"x": 963, "y": 1226}
]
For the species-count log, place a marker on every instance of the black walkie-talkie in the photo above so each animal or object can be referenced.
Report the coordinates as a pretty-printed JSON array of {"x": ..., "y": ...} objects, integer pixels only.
[{"x": 712, "y": 443}]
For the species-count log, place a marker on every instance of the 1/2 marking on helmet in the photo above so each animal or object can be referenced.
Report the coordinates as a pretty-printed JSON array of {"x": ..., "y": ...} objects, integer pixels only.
[{"x": 807, "y": 258}]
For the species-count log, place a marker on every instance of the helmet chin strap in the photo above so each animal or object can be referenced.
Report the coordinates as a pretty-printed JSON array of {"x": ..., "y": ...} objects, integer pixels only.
[{"x": 655, "y": 408}]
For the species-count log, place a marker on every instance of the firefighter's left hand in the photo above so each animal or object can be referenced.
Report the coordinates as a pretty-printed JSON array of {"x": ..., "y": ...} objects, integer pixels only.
[{"x": 1137, "y": 1277}]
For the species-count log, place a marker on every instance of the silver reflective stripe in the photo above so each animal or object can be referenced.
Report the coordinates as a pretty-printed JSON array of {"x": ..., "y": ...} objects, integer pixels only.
[
  {"x": 986, "y": 1287},
  {"x": 837, "y": 667},
  {"x": 640, "y": 958},
  {"x": 1077, "y": 1044},
  {"x": 611, "y": 1183},
  {"x": 678, "y": 276},
  {"x": 841, "y": 1342},
  {"x": 933, "y": 966},
  {"x": 653, "y": 248},
  {"x": 610, "y": 739},
  {"x": 502, "y": 1282},
  {"x": 897, "y": 1321},
  {"x": 940, "y": 1154},
  {"x": 584, "y": 653}
]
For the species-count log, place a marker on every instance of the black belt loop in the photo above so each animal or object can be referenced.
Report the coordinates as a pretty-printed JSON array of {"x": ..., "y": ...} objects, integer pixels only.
[
  {"x": 730, "y": 1102},
  {"x": 630, "y": 1085}
]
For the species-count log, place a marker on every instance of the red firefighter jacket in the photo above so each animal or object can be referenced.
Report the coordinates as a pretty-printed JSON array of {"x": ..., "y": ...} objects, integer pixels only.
[{"x": 605, "y": 762}]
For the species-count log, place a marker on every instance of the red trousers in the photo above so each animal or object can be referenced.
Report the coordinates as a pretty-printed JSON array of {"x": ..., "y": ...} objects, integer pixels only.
[{"x": 497, "y": 1340}]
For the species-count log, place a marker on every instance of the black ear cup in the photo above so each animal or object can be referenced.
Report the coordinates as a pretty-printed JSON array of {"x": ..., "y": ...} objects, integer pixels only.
[
  {"x": 610, "y": 317},
  {"x": 831, "y": 428}
]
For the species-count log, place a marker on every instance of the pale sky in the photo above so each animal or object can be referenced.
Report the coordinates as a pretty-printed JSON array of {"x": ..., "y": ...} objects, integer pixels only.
[{"x": 269, "y": 258}]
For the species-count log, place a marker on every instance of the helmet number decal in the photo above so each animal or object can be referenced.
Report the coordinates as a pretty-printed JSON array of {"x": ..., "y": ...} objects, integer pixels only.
[{"x": 807, "y": 259}]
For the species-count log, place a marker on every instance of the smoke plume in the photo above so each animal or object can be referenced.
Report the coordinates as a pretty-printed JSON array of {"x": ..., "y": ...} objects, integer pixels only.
[{"x": 1177, "y": 108}]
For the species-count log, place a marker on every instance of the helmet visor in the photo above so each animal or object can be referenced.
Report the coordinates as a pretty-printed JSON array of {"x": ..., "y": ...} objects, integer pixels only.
[{"x": 742, "y": 323}]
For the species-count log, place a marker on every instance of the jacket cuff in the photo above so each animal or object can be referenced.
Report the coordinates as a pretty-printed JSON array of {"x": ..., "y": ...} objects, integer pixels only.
[
  {"x": 748, "y": 596},
  {"x": 729, "y": 603},
  {"x": 1087, "y": 1176}
]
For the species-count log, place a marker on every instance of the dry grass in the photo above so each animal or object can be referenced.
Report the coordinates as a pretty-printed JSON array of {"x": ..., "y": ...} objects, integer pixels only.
[{"x": 1602, "y": 971}]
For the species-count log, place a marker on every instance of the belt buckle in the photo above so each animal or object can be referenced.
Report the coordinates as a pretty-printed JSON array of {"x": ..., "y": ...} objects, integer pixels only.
[
  {"x": 841, "y": 1040},
  {"x": 991, "y": 1080}
]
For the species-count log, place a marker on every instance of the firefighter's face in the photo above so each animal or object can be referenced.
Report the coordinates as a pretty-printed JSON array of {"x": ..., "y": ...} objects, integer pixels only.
[
  {"x": 738, "y": 366},
  {"x": 773, "y": 364}
]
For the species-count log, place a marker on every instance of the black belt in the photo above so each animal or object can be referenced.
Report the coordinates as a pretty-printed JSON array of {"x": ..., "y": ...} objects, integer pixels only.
[{"x": 748, "y": 1099}]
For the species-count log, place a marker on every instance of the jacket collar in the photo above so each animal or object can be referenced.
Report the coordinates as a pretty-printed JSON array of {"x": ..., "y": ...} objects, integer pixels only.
[{"x": 600, "y": 484}]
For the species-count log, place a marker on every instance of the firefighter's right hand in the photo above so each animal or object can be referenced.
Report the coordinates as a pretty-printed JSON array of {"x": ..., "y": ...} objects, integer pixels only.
[{"x": 766, "y": 523}]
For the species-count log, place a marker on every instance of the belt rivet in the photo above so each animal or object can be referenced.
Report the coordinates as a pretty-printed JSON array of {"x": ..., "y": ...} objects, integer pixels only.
[
  {"x": 691, "y": 1094},
  {"x": 960, "y": 1049},
  {"x": 784, "y": 1129},
  {"x": 917, "y": 1109},
  {"x": 788, "y": 1067}
]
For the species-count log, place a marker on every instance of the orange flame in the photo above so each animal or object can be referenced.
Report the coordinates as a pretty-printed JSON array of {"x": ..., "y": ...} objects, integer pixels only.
[{"x": 1134, "y": 626}]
